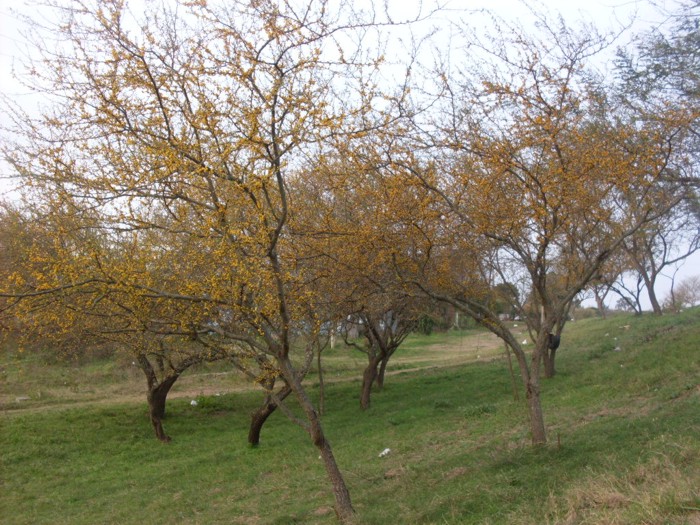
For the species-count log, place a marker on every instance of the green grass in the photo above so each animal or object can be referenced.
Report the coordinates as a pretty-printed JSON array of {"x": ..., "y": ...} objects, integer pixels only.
[{"x": 623, "y": 417}]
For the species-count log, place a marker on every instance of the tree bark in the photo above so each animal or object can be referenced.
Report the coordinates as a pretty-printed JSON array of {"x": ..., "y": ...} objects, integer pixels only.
[
  {"x": 321, "y": 384},
  {"x": 539, "y": 434},
  {"x": 382, "y": 372},
  {"x": 343, "y": 503},
  {"x": 600, "y": 303},
  {"x": 531, "y": 381},
  {"x": 548, "y": 358},
  {"x": 655, "y": 305},
  {"x": 157, "y": 396},
  {"x": 368, "y": 377},
  {"x": 258, "y": 418}
]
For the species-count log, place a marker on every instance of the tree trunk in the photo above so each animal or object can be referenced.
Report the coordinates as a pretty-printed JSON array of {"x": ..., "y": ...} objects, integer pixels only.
[
  {"x": 321, "y": 384},
  {"x": 599, "y": 299},
  {"x": 655, "y": 306},
  {"x": 548, "y": 358},
  {"x": 382, "y": 372},
  {"x": 368, "y": 377},
  {"x": 258, "y": 418},
  {"x": 157, "y": 396},
  {"x": 539, "y": 435},
  {"x": 531, "y": 381},
  {"x": 343, "y": 503},
  {"x": 550, "y": 351}
]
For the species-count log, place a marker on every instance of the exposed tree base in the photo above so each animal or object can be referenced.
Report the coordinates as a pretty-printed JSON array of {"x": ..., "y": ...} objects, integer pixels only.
[{"x": 259, "y": 417}]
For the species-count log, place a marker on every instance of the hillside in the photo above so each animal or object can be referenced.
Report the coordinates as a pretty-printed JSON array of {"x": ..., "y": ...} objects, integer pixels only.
[{"x": 623, "y": 416}]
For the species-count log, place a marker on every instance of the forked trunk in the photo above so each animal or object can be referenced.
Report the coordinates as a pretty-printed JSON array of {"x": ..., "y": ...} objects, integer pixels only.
[
  {"x": 157, "y": 396},
  {"x": 600, "y": 304},
  {"x": 343, "y": 503},
  {"x": 382, "y": 372},
  {"x": 258, "y": 418}
]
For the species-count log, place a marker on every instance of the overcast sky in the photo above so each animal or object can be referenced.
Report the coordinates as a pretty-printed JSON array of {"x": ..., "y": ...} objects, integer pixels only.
[{"x": 606, "y": 15}]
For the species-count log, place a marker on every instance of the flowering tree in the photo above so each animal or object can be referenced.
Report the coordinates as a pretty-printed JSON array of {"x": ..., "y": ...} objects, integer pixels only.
[
  {"x": 540, "y": 176},
  {"x": 172, "y": 135}
]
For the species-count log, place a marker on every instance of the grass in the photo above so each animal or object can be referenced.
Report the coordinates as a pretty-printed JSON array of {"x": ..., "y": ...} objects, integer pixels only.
[{"x": 623, "y": 415}]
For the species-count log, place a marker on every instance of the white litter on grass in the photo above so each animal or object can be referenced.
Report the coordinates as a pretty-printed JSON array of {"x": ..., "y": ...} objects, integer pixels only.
[
  {"x": 524, "y": 342},
  {"x": 384, "y": 453},
  {"x": 193, "y": 403}
]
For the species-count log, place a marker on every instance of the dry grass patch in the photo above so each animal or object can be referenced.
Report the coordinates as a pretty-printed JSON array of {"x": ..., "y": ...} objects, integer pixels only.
[{"x": 661, "y": 490}]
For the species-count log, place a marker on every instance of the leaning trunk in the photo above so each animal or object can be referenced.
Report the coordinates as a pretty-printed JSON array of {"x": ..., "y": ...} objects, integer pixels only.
[
  {"x": 653, "y": 300},
  {"x": 368, "y": 378},
  {"x": 157, "y": 396},
  {"x": 343, "y": 504},
  {"x": 258, "y": 418}
]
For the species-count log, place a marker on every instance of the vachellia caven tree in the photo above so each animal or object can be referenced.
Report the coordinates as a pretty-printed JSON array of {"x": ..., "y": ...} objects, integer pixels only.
[
  {"x": 353, "y": 233},
  {"x": 540, "y": 176},
  {"x": 169, "y": 140},
  {"x": 67, "y": 298},
  {"x": 658, "y": 74}
]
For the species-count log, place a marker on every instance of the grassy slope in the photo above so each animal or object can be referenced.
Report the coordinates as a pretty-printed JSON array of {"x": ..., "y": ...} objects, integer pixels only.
[{"x": 624, "y": 447}]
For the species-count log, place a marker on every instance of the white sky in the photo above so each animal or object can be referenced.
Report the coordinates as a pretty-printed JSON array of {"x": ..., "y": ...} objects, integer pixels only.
[{"x": 606, "y": 15}]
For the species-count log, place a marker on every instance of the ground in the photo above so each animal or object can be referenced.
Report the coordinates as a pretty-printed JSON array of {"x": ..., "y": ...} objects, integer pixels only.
[{"x": 120, "y": 381}]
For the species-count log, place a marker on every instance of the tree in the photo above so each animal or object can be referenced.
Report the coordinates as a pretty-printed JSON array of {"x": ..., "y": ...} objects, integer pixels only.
[
  {"x": 360, "y": 220},
  {"x": 535, "y": 161},
  {"x": 383, "y": 332},
  {"x": 658, "y": 75},
  {"x": 46, "y": 253},
  {"x": 663, "y": 244},
  {"x": 685, "y": 295},
  {"x": 661, "y": 69},
  {"x": 183, "y": 127}
]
